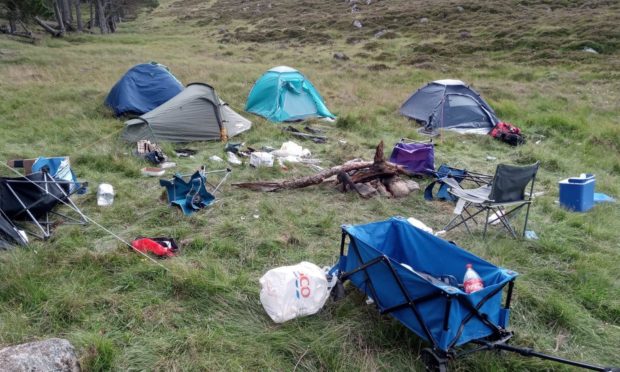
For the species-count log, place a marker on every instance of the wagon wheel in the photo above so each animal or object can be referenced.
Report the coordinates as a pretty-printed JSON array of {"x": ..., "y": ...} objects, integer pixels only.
[{"x": 432, "y": 362}]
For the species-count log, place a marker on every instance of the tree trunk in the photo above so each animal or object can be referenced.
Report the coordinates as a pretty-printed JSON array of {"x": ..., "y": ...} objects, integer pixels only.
[
  {"x": 12, "y": 24},
  {"x": 78, "y": 15},
  {"x": 64, "y": 10},
  {"x": 92, "y": 19},
  {"x": 47, "y": 27},
  {"x": 59, "y": 19},
  {"x": 100, "y": 15}
]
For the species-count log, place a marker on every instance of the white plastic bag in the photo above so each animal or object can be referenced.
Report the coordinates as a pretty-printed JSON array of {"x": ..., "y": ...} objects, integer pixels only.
[
  {"x": 290, "y": 148},
  {"x": 289, "y": 292},
  {"x": 261, "y": 159}
]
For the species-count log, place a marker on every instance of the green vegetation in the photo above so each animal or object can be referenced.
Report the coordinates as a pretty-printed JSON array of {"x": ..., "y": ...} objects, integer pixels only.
[{"x": 125, "y": 313}]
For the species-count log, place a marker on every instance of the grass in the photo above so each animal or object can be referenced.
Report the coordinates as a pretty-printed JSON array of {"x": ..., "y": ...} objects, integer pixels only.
[{"x": 124, "y": 313}]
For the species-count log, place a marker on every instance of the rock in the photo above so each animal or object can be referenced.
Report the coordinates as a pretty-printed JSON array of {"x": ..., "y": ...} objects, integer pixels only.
[
  {"x": 412, "y": 185},
  {"x": 368, "y": 2},
  {"x": 54, "y": 354},
  {"x": 357, "y": 24},
  {"x": 397, "y": 187},
  {"x": 366, "y": 190},
  {"x": 424, "y": 20},
  {"x": 464, "y": 34},
  {"x": 380, "y": 33},
  {"x": 589, "y": 50},
  {"x": 382, "y": 190},
  {"x": 341, "y": 56},
  {"x": 460, "y": 9},
  {"x": 355, "y": 9}
]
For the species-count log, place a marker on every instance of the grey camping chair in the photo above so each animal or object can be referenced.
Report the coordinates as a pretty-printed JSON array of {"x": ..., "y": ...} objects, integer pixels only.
[{"x": 503, "y": 197}]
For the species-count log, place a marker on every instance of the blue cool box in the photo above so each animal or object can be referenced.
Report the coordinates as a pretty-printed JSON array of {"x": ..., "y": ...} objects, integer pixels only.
[{"x": 577, "y": 193}]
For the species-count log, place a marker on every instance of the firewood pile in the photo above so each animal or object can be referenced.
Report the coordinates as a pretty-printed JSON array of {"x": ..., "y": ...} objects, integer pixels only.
[{"x": 367, "y": 178}]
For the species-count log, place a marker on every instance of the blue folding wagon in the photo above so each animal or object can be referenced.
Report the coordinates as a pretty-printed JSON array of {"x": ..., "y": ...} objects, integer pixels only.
[{"x": 414, "y": 276}]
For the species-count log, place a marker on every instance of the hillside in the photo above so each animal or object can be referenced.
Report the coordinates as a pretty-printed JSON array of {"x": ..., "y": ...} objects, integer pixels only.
[{"x": 125, "y": 313}]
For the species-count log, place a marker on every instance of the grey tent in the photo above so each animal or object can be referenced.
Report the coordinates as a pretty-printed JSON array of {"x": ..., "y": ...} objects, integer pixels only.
[
  {"x": 449, "y": 104},
  {"x": 195, "y": 114}
]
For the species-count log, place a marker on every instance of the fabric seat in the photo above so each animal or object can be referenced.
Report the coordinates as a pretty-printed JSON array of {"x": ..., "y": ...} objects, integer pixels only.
[{"x": 503, "y": 197}]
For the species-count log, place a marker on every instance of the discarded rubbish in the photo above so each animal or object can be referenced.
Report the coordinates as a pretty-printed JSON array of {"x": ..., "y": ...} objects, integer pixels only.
[
  {"x": 233, "y": 147},
  {"x": 167, "y": 165},
  {"x": 153, "y": 171},
  {"x": 191, "y": 195},
  {"x": 261, "y": 159},
  {"x": 472, "y": 281},
  {"x": 313, "y": 137},
  {"x": 185, "y": 153},
  {"x": 105, "y": 195},
  {"x": 419, "y": 224},
  {"x": 289, "y": 292},
  {"x": 216, "y": 158},
  {"x": 232, "y": 158},
  {"x": 152, "y": 152},
  {"x": 491, "y": 158},
  {"x": 531, "y": 235},
  {"x": 599, "y": 197},
  {"x": 161, "y": 247},
  {"x": 290, "y": 148}
]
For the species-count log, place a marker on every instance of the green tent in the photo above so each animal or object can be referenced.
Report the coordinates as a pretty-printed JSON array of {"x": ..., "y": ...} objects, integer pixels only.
[{"x": 284, "y": 94}]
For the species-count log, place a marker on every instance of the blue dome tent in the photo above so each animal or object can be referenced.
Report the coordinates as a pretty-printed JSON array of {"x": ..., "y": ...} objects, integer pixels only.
[
  {"x": 143, "y": 88},
  {"x": 449, "y": 104},
  {"x": 283, "y": 94}
]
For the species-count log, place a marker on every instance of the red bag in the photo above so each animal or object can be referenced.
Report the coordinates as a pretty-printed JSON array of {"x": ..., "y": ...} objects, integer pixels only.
[
  {"x": 157, "y": 248},
  {"x": 508, "y": 133}
]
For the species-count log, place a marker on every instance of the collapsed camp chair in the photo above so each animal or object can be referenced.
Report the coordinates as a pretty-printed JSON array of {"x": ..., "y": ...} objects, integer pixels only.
[
  {"x": 192, "y": 195},
  {"x": 503, "y": 196},
  {"x": 458, "y": 175},
  {"x": 32, "y": 199},
  {"x": 416, "y": 278}
]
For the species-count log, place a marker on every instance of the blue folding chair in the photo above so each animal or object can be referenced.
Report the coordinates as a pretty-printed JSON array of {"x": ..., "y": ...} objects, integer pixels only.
[{"x": 191, "y": 195}]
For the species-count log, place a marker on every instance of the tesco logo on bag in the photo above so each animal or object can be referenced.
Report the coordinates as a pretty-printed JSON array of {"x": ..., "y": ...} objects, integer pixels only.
[{"x": 302, "y": 284}]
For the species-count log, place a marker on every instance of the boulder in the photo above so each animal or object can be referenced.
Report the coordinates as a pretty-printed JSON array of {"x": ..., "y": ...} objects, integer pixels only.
[
  {"x": 341, "y": 56},
  {"x": 54, "y": 354},
  {"x": 357, "y": 24},
  {"x": 424, "y": 20}
]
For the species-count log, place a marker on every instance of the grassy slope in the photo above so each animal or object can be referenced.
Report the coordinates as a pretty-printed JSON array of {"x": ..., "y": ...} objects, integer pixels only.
[{"x": 124, "y": 313}]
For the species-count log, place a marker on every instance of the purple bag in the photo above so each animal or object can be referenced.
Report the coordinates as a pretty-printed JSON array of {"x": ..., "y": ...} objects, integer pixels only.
[{"x": 417, "y": 158}]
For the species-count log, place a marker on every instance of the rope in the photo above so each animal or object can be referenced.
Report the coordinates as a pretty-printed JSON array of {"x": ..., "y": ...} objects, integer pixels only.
[{"x": 88, "y": 218}]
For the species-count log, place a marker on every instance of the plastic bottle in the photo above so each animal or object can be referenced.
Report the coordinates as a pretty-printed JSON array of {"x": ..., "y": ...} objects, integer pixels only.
[{"x": 472, "y": 281}]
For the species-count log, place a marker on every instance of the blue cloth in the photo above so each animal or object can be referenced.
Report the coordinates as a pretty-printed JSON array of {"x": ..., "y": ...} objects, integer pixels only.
[
  {"x": 143, "y": 88},
  {"x": 428, "y": 257},
  {"x": 599, "y": 197},
  {"x": 58, "y": 168},
  {"x": 284, "y": 94},
  {"x": 189, "y": 195}
]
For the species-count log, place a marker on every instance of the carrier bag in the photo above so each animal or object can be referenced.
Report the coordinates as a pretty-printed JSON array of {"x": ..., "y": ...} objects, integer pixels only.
[{"x": 289, "y": 292}]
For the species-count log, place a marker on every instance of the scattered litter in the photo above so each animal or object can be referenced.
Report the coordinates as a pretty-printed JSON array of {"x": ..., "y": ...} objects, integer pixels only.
[
  {"x": 290, "y": 148},
  {"x": 599, "y": 197},
  {"x": 261, "y": 159},
  {"x": 538, "y": 142},
  {"x": 297, "y": 133},
  {"x": 267, "y": 149},
  {"x": 256, "y": 216},
  {"x": 105, "y": 195},
  {"x": 369, "y": 301},
  {"x": 167, "y": 165},
  {"x": 150, "y": 151},
  {"x": 531, "y": 235},
  {"x": 419, "y": 224},
  {"x": 191, "y": 195},
  {"x": 233, "y": 147},
  {"x": 232, "y": 158},
  {"x": 153, "y": 171},
  {"x": 289, "y": 292},
  {"x": 494, "y": 219},
  {"x": 216, "y": 158},
  {"x": 589, "y": 50},
  {"x": 185, "y": 153},
  {"x": 491, "y": 158},
  {"x": 537, "y": 194},
  {"x": 342, "y": 142},
  {"x": 161, "y": 247}
]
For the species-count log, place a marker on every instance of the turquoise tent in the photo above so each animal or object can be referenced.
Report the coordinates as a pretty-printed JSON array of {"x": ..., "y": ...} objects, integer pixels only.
[{"x": 284, "y": 94}]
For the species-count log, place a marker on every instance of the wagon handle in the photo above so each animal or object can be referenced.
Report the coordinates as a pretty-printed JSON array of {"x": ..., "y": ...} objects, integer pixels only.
[{"x": 527, "y": 352}]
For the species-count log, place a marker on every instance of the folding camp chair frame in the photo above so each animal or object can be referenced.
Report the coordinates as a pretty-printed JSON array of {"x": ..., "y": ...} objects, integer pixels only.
[
  {"x": 43, "y": 226},
  {"x": 497, "y": 209},
  {"x": 435, "y": 358}
]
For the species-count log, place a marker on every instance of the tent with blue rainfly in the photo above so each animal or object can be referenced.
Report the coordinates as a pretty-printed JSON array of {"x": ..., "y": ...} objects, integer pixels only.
[
  {"x": 283, "y": 94},
  {"x": 452, "y": 105},
  {"x": 143, "y": 88}
]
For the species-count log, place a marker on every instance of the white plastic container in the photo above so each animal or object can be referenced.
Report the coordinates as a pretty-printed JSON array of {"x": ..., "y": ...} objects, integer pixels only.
[
  {"x": 105, "y": 195},
  {"x": 261, "y": 159}
]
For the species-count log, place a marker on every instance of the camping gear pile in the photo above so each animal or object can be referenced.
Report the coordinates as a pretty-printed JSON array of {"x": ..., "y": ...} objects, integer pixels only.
[{"x": 400, "y": 265}]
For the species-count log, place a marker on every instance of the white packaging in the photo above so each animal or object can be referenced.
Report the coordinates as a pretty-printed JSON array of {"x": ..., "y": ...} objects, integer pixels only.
[
  {"x": 292, "y": 291},
  {"x": 105, "y": 195},
  {"x": 261, "y": 159},
  {"x": 290, "y": 148}
]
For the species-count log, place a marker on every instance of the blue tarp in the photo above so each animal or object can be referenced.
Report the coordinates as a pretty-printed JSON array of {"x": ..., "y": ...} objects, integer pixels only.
[
  {"x": 284, "y": 94},
  {"x": 417, "y": 256},
  {"x": 143, "y": 88}
]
